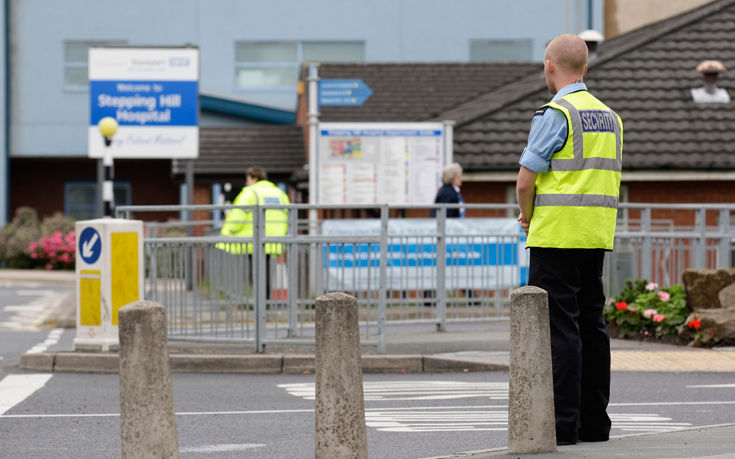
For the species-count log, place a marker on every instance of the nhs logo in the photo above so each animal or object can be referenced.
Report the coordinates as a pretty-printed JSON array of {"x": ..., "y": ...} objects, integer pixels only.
[{"x": 179, "y": 61}]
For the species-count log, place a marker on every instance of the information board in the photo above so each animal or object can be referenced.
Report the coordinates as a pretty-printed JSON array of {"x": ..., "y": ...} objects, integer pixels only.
[
  {"x": 153, "y": 95},
  {"x": 379, "y": 163}
]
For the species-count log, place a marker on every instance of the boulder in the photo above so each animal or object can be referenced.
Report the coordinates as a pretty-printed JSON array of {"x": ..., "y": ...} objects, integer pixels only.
[
  {"x": 720, "y": 322},
  {"x": 704, "y": 285},
  {"x": 727, "y": 297}
]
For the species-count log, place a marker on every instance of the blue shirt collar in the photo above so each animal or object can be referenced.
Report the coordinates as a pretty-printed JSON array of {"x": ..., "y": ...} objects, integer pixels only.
[{"x": 570, "y": 88}]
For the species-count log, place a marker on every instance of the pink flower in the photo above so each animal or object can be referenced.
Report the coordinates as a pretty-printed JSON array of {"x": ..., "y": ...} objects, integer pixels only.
[
  {"x": 49, "y": 267},
  {"x": 649, "y": 312},
  {"x": 659, "y": 318},
  {"x": 664, "y": 296},
  {"x": 651, "y": 286}
]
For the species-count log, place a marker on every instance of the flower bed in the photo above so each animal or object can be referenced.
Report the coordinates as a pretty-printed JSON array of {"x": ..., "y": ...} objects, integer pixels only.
[{"x": 644, "y": 311}]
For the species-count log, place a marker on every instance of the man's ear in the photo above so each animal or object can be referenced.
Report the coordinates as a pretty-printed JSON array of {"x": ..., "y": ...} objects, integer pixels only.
[{"x": 585, "y": 71}]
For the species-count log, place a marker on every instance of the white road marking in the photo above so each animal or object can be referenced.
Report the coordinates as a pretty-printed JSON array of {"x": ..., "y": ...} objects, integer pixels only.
[
  {"x": 16, "y": 388},
  {"x": 30, "y": 316},
  {"x": 53, "y": 338},
  {"x": 713, "y": 386},
  {"x": 224, "y": 448},
  {"x": 413, "y": 390},
  {"x": 444, "y": 420}
]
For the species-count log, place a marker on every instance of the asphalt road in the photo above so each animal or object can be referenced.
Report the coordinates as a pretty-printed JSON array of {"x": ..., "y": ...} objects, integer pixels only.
[{"x": 408, "y": 415}]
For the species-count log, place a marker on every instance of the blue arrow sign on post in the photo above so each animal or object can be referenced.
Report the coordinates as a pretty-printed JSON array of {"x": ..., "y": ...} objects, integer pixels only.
[{"x": 343, "y": 92}]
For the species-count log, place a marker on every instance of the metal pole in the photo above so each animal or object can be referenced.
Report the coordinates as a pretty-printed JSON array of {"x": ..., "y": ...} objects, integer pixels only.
[
  {"x": 100, "y": 184},
  {"x": 700, "y": 244},
  {"x": 189, "y": 225},
  {"x": 383, "y": 277},
  {"x": 723, "y": 258},
  {"x": 646, "y": 249},
  {"x": 441, "y": 269},
  {"x": 107, "y": 188},
  {"x": 259, "y": 277},
  {"x": 449, "y": 141},
  {"x": 313, "y": 120},
  {"x": 292, "y": 265}
]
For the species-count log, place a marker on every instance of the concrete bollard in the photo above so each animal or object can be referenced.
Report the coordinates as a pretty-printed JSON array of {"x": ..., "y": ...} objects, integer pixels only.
[
  {"x": 340, "y": 406},
  {"x": 147, "y": 419},
  {"x": 531, "y": 424}
]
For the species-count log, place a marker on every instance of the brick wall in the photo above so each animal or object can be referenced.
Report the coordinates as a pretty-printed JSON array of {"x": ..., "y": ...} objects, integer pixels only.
[
  {"x": 714, "y": 192},
  {"x": 39, "y": 182}
]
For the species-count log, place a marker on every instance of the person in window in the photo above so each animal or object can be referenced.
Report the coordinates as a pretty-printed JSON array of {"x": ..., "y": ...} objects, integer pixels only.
[{"x": 449, "y": 192}]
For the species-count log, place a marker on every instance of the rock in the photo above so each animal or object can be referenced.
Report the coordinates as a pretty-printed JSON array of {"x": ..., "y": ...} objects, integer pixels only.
[
  {"x": 703, "y": 286},
  {"x": 720, "y": 322},
  {"x": 727, "y": 297}
]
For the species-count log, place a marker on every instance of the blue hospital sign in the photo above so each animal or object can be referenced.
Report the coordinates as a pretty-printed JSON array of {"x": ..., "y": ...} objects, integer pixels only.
[
  {"x": 153, "y": 95},
  {"x": 90, "y": 245}
]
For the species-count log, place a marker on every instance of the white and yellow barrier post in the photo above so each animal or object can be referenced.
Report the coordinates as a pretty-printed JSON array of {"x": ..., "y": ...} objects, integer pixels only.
[{"x": 109, "y": 262}]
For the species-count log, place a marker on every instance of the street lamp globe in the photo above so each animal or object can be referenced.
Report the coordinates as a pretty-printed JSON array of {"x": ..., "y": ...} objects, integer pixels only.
[{"x": 108, "y": 128}]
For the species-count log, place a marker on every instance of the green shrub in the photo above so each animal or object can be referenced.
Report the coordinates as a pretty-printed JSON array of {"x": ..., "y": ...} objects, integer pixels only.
[
  {"x": 21, "y": 238},
  {"x": 643, "y": 307}
]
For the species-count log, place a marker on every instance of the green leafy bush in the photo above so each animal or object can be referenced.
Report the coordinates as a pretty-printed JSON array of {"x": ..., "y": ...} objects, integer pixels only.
[
  {"x": 26, "y": 242},
  {"x": 644, "y": 308}
]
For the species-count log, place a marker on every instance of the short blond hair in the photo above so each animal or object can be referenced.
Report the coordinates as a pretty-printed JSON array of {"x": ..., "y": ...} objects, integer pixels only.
[{"x": 449, "y": 172}]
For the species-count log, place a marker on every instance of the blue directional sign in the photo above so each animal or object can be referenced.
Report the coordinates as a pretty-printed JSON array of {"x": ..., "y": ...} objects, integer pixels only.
[
  {"x": 343, "y": 92},
  {"x": 90, "y": 245}
]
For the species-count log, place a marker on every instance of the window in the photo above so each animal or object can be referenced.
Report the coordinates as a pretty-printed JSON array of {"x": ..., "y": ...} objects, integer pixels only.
[
  {"x": 80, "y": 198},
  {"x": 76, "y": 62},
  {"x": 275, "y": 65},
  {"x": 501, "y": 50}
]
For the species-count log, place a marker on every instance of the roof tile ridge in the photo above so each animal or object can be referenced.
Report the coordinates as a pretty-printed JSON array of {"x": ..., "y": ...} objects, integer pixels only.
[
  {"x": 505, "y": 95},
  {"x": 495, "y": 100}
]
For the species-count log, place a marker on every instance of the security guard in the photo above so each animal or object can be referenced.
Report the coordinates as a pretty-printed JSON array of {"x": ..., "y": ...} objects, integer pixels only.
[
  {"x": 239, "y": 222},
  {"x": 567, "y": 189}
]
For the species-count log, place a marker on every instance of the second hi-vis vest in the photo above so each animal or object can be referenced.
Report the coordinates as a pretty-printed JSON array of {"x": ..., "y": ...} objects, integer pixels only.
[
  {"x": 239, "y": 222},
  {"x": 577, "y": 199}
]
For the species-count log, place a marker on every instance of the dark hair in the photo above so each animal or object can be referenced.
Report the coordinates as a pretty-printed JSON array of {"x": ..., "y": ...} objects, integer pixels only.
[{"x": 256, "y": 172}]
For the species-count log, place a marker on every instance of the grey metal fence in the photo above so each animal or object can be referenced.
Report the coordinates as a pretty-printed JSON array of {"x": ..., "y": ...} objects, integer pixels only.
[{"x": 402, "y": 265}]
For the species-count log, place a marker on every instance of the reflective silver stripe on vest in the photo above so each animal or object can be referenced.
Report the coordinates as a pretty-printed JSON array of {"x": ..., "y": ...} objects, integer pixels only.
[
  {"x": 579, "y": 162},
  {"x": 578, "y": 200}
]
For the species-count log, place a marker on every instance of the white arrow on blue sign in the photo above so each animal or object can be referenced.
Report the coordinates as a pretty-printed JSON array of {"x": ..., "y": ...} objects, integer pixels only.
[
  {"x": 343, "y": 92},
  {"x": 90, "y": 245}
]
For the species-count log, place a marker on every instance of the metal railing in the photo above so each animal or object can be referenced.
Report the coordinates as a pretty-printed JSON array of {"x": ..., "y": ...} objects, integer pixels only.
[{"x": 402, "y": 265}]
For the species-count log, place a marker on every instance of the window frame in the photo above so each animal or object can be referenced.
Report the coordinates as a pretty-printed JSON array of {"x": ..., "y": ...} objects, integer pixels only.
[
  {"x": 281, "y": 64},
  {"x": 82, "y": 65},
  {"x": 126, "y": 185},
  {"x": 487, "y": 41}
]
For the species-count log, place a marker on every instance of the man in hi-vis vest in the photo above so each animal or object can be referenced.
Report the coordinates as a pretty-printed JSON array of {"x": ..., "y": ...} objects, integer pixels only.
[
  {"x": 239, "y": 222},
  {"x": 567, "y": 190}
]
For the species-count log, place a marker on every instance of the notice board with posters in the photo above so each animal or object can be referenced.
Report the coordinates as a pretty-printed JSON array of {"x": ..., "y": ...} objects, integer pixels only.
[
  {"x": 380, "y": 163},
  {"x": 153, "y": 94}
]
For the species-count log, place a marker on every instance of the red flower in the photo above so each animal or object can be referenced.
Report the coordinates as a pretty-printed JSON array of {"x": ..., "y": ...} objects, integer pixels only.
[
  {"x": 622, "y": 305},
  {"x": 696, "y": 324}
]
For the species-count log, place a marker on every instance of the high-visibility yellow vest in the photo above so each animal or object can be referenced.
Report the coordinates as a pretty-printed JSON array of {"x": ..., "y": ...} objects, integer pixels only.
[
  {"x": 239, "y": 222},
  {"x": 576, "y": 201}
]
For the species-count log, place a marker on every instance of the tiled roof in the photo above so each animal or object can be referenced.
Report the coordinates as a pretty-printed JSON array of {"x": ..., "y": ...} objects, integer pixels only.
[
  {"x": 418, "y": 91},
  {"x": 645, "y": 76},
  {"x": 231, "y": 150}
]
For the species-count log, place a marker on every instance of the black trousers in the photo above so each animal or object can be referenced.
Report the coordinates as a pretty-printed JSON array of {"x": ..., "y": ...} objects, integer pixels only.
[{"x": 580, "y": 343}]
